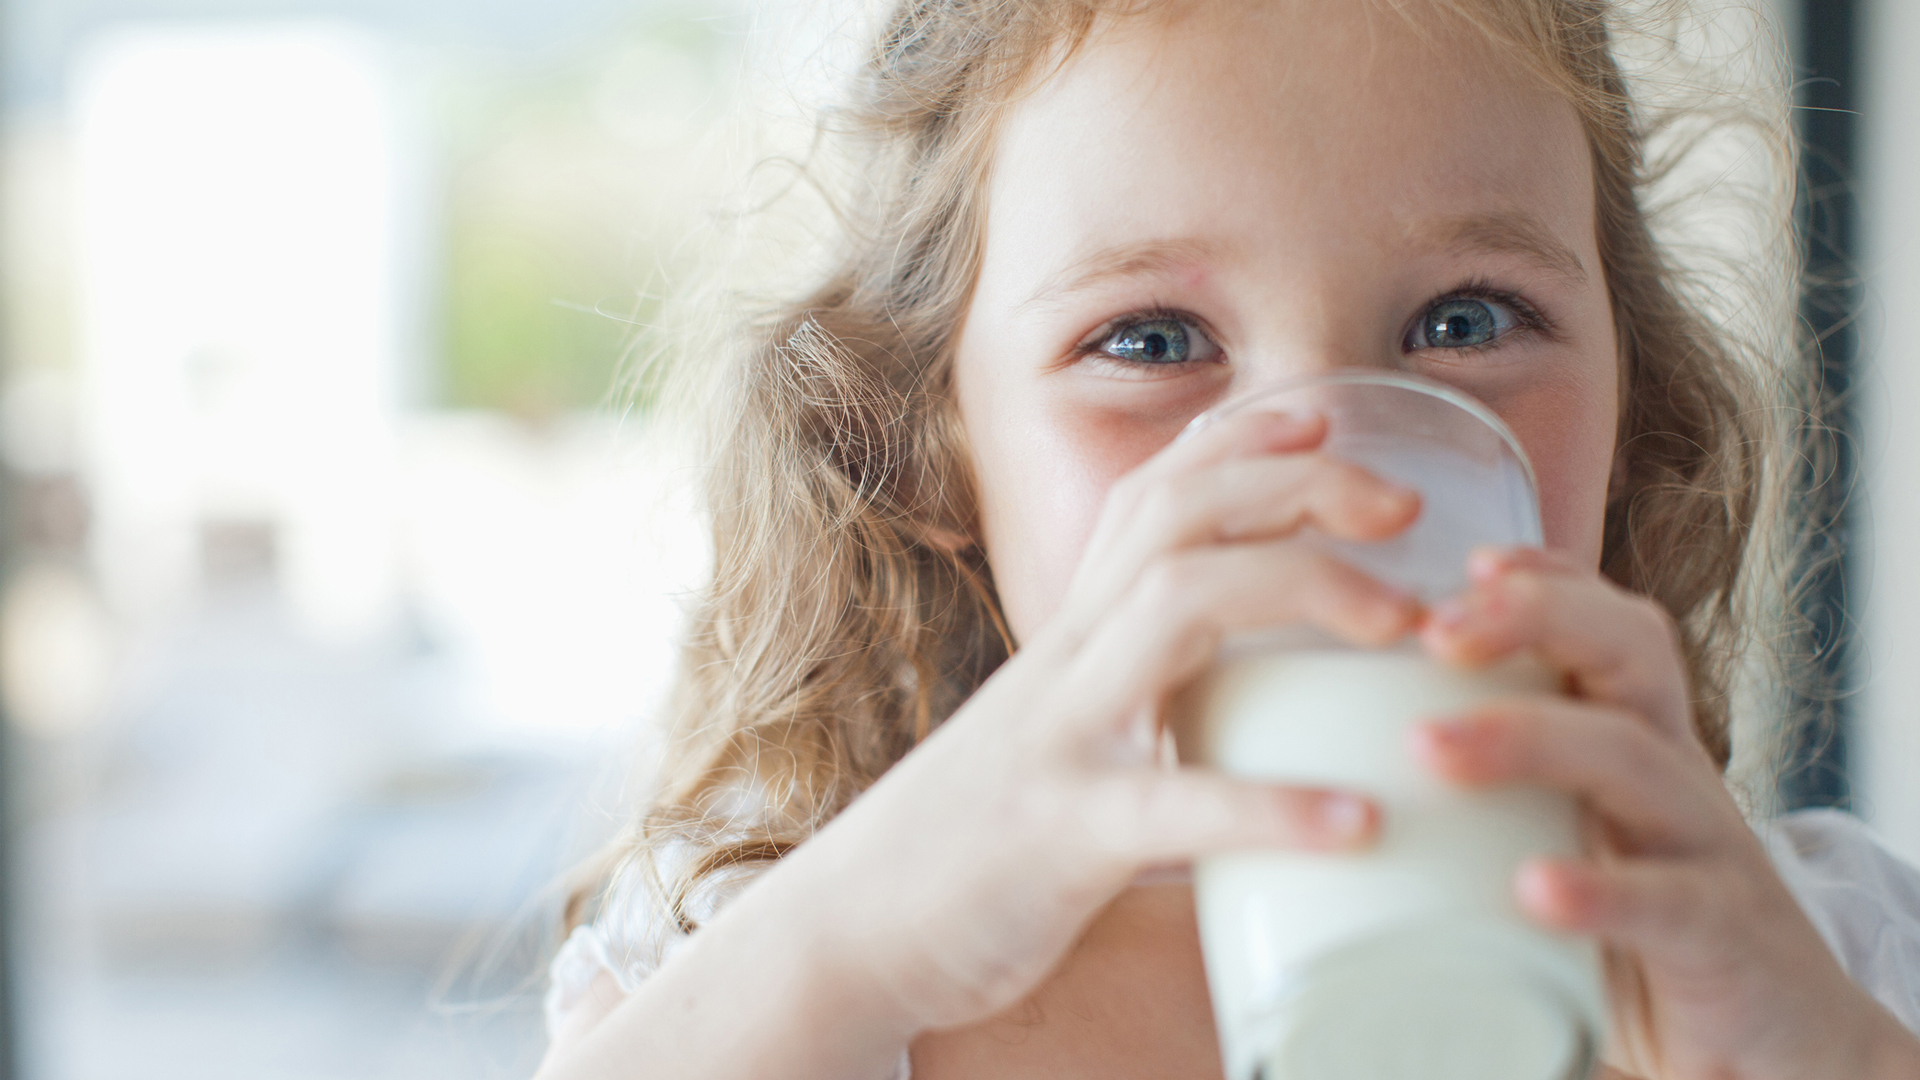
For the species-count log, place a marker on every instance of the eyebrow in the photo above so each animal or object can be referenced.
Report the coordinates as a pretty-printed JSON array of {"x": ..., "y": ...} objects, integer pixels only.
[
  {"x": 1144, "y": 258},
  {"x": 1502, "y": 234},
  {"x": 1495, "y": 233}
]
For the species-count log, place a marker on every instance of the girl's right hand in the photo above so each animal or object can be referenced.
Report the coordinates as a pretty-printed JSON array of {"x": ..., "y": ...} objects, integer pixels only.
[{"x": 958, "y": 881}]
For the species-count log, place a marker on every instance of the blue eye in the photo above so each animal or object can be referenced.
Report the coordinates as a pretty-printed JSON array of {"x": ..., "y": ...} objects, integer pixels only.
[
  {"x": 1151, "y": 341},
  {"x": 1461, "y": 323}
]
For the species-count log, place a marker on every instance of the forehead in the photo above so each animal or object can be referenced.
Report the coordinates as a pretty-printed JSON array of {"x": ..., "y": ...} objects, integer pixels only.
[{"x": 1290, "y": 122}]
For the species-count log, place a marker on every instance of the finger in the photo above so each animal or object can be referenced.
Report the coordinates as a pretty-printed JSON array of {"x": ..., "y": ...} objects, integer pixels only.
[
  {"x": 1111, "y": 559},
  {"x": 1677, "y": 910},
  {"x": 1141, "y": 816},
  {"x": 1263, "y": 431},
  {"x": 1489, "y": 562},
  {"x": 1250, "y": 435},
  {"x": 1656, "y": 795},
  {"x": 1258, "y": 498},
  {"x": 1169, "y": 626},
  {"x": 1254, "y": 498},
  {"x": 1612, "y": 646}
]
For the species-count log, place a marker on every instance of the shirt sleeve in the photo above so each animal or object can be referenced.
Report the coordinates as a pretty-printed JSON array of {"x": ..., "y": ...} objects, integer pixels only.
[
  {"x": 581, "y": 959},
  {"x": 1864, "y": 900}
]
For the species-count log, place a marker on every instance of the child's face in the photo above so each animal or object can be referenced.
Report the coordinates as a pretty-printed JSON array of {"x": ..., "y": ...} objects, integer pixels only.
[{"x": 1249, "y": 192}]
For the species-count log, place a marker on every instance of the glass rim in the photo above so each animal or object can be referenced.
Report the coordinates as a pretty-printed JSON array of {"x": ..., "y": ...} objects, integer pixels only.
[{"x": 1400, "y": 380}]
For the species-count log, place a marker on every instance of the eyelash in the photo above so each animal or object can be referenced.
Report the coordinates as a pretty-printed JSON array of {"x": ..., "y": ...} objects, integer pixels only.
[
  {"x": 1527, "y": 316},
  {"x": 1089, "y": 347}
]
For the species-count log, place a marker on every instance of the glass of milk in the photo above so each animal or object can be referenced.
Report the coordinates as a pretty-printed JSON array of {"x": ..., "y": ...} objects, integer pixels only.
[{"x": 1411, "y": 960}]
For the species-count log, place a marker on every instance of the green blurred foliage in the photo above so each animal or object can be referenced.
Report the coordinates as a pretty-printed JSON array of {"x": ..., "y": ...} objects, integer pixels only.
[
  {"x": 561, "y": 216},
  {"x": 534, "y": 323}
]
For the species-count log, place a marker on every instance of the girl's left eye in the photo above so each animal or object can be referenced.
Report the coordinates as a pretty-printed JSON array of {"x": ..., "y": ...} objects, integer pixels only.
[{"x": 1462, "y": 323}]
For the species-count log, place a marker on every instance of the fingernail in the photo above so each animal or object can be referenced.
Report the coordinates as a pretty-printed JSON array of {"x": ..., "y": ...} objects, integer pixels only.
[
  {"x": 1450, "y": 729},
  {"x": 1345, "y": 817}
]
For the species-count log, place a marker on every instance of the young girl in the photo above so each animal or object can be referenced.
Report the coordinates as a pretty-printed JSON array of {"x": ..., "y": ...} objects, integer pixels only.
[{"x": 914, "y": 809}]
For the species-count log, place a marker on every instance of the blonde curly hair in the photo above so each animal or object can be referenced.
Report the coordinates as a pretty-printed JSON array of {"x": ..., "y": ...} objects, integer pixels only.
[{"x": 849, "y": 610}]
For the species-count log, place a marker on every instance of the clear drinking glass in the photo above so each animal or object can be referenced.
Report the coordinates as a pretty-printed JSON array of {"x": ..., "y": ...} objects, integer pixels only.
[{"x": 1409, "y": 961}]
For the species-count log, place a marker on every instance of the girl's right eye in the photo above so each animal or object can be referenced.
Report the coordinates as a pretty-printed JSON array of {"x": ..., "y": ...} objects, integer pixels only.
[{"x": 1153, "y": 341}]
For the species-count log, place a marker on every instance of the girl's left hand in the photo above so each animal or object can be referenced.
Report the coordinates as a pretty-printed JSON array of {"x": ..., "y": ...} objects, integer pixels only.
[{"x": 1715, "y": 971}]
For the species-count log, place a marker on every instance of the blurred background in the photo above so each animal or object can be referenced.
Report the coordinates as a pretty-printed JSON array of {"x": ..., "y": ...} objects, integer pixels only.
[{"x": 340, "y": 574}]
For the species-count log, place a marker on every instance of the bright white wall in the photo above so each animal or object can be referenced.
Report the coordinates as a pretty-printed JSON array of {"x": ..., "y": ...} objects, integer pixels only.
[
  {"x": 1885, "y": 585},
  {"x": 240, "y": 269},
  {"x": 1887, "y": 748}
]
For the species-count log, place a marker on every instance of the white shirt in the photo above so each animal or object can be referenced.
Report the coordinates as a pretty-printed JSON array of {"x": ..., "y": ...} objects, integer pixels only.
[{"x": 1864, "y": 900}]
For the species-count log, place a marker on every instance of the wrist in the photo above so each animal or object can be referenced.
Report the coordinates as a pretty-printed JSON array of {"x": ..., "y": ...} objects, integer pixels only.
[
  {"x": 851, "y": 977},
  {"x": 837, "y": 972},
  {"x": 854, "y": 965},
  {"x": 761, "y": 990}
]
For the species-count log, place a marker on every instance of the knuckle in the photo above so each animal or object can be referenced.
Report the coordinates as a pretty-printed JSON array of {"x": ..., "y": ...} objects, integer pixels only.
[
  {"x": 1109, "y": 813},
  {"x": 1158, "y": 584},
  {"x": 1127, "y": 814},
  {"x": 1528, "y": 591},
  {"x": 1325, "y": 581},
  {"x": 1198, "y": 813},
  {"x": 1047, "y": 806},
  {"x": 1342, "y": 487},
  {"x": 1171, "y": 585},
  {"x": 1322, "y": 593},
  {"x": 1519, "y": 727},
  {"x": 1517, "y": 735},
  {"x": 1640, "y": 752},
  {"x": 1655, "y": 640},
  {"x": 1688, "y": 903},
  {"x": 1165, "y": 511},
  {"x": 1309, "y": 578},
  {"x": 1654, "y": 620},
  {"x": 1125, "y": 495},
  {"x": 1160, "y": 500},
  {"x": 1128, "y": 487},
  {"x": 1343, "y": 475}
]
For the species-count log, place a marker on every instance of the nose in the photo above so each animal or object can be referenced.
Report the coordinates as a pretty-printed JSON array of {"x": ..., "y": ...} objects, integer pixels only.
[
  {"x": 1314, "y": 324},
  {"x": 1269, "y": 369}
]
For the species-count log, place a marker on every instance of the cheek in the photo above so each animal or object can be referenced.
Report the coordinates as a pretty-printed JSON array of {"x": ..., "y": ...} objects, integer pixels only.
[
  {"x": 1043, "y": 470},
  {"x": 1569, "y": 435}
]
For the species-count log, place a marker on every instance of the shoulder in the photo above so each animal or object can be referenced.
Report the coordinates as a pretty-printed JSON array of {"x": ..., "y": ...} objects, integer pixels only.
[{"x": 1864, "y": 900}]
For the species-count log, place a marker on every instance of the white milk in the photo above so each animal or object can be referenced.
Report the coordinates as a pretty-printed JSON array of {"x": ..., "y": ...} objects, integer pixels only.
[{"x": 1410, "y": 960}]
